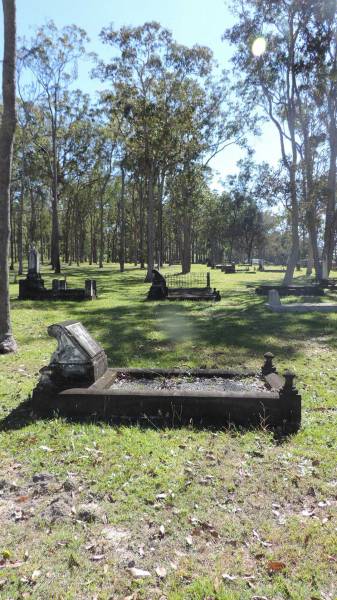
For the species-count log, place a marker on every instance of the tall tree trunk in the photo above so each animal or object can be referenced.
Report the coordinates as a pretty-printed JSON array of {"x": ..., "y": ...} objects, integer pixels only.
[
  {"x": 160, "y": 221},
  {"x": 330, "y": 216},
  {"x": 186, "y": 246},
  {"x": 150, "y": 224},
  {"x": 141, "y": 225},
  {"x": 122, "y": 223},
  {"x": 101, "y": 230},
  {"x": 295, "y": 242},
  {"x": 91, "y": 256},
  {"x": 7, "y": 130},
  {"x": 55, "y": 234},
  {"x": 20, "y": 225},
  {"x": 12, "y": 234}
]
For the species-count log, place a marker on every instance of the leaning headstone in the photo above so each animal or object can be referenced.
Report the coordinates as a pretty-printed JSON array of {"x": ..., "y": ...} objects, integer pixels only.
[{"x": 77, "y": 362}]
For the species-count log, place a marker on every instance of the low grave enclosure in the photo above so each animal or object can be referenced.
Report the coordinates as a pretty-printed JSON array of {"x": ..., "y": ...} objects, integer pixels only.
[
  {"x": 190, "y": 286},
  {"x": 33, "y": 288},
  {"x": 274, "y": 303},
  {"x": 78, "y": 384}
]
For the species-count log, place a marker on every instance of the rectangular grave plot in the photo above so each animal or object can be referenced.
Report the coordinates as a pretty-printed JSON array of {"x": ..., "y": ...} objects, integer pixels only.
[{"x": 136, "y": 395}]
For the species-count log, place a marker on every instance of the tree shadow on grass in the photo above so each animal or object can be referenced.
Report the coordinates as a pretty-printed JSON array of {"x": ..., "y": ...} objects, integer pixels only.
[{"x": 146, "y": 333}]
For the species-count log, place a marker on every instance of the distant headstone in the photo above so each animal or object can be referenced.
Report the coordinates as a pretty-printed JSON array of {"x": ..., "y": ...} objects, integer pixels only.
[
  {"x": 90, "y": 288},
  {"x": 325, "y": 272},
  {"x": 33, "y": 261},
  {"x": 274, "y": 298}
]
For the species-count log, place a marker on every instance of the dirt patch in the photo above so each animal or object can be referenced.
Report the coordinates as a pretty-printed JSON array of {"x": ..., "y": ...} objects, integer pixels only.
[{"x": 189, "y": 384}]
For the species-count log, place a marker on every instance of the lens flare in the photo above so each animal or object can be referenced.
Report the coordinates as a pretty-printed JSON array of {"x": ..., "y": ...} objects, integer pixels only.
[{"x": 259, "y": 46}]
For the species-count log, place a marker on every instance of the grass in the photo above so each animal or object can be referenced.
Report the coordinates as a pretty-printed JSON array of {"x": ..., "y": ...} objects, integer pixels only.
[{"x": 229, "y": 515}]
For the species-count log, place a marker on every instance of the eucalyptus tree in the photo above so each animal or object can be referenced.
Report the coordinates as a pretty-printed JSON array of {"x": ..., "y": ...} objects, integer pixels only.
[
  {"x": 51, "y": 56},
  {"x": 160, "y": 90},
  {"x": 7, "y": 130},
  {"x": 320, "y": 62},
  {"x": 274, "y": 77}
]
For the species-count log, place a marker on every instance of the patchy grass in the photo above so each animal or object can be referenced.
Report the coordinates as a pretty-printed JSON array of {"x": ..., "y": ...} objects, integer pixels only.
[{"x": 228, "y": 515}]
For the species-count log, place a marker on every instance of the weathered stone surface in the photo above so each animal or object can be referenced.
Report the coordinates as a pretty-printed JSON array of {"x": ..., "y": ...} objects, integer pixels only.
[
  {"x": 78, "y": 360},
  {"x": 275, "y": 305}
]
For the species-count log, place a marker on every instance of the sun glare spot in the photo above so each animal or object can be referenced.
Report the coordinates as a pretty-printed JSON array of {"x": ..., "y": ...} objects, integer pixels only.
[{"x": 259, "y": 46}]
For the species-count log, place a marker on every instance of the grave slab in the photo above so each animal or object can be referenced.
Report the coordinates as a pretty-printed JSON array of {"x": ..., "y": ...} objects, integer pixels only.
[{"x": 78, "y": 384}]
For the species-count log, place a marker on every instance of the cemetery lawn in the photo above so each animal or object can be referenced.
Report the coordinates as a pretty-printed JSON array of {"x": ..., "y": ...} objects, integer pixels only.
[{"x": 221, "y": 515}]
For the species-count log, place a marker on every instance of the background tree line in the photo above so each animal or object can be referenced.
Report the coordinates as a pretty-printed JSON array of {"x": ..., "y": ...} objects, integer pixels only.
[{"x": 127, "y": 179}]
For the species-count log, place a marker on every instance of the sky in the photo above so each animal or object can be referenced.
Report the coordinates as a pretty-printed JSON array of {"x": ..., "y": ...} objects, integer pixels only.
[{"x": 191, "y": 22}]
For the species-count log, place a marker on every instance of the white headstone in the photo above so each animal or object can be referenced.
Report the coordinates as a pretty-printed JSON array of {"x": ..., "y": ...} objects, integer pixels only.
[
  {"x": 33, "y": 260},
  {"x": 274, "y": 298}
]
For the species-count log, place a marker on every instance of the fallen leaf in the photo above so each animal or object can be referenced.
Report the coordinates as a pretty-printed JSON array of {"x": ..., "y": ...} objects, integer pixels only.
[
  {"x": 275, "y": 566},
  {"x": 161, "y": 572},
  {"x": 98, "y": 557},
  {"x": 138, "y": 573},
  {"x": 22, "y": 499}
]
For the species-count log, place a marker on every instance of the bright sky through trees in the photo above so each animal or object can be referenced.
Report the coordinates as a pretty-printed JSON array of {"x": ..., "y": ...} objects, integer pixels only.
[{"x": 191, "y": 21}]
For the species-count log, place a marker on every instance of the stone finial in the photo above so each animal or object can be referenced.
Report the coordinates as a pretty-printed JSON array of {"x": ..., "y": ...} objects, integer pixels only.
[
  {"x": 289, "y": 377},
  {"x": 268, "y": 366}
]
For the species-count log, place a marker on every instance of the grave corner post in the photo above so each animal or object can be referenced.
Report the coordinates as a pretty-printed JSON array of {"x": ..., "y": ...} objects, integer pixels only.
[{"x": 291, "y": 403}]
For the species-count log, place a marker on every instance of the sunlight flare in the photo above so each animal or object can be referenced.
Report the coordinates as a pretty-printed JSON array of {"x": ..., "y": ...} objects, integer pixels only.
[{"x": 259, "y": 46}]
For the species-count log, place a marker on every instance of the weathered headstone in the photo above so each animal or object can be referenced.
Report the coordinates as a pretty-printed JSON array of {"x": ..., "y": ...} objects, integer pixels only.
[
  {"x": 78, "y": 361},
  {"x": 33, "y": 261},
  {"x": 325, "y": 272},
  {"x": 32, "y": 287},
  {"x": 274, "y": 298}
]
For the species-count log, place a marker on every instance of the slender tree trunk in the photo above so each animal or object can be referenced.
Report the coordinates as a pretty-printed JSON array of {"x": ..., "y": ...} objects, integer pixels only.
[
  {"x": 141, "y": 225},
  {"x": 101, "y": 231},
  {"x": 20, "y": 226},
  {"x": 12, "y": 235},
  {"x": 122, "y": 223},
  {"x": 91, "y": 241},
  {"x": 295, "y": 242},
  {"x": 330, "y": 216},
  {"x": 7, "y": 130},
  {"x": 160, "y": 221},
  {"x": 150, "y": 225},
  {"x": 55, "y": 235},
  {"x": 41, "y": 232},
  {"x": 186, "y": 248}
]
